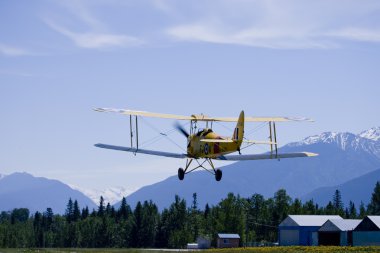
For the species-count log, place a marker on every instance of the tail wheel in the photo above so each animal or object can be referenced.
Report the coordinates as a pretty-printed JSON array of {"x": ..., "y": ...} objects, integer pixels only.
[
  {"x": 218, "y": 175},
  {"x": 181, "y": 174}
]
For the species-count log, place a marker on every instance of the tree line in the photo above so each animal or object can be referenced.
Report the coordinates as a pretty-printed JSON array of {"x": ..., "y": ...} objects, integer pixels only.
[{"x": 255, "y": 219}]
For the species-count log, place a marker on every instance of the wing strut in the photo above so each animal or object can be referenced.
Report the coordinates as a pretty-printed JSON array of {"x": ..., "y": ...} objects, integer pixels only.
[
  {"x": 130, "y": 129},
  {"x": 270, "y": 137},
  {"x": 275, "y": 138},
  {"x": 272, "y": 129},
  {"x": 136, "y": 129}
]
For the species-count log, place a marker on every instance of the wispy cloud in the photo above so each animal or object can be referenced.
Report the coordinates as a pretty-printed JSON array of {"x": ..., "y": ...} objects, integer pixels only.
[
  {"x": 97, "y": 40},
  {"x": 357, "y": 34},
  {"x": 13, "y": 51},
  {"x": 256, "y": 37},
  {"x": 288, "y": 24},
  {"x": 97, "y": 35}
]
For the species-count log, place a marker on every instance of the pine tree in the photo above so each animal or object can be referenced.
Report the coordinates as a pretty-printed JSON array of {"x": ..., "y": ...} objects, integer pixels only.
[
  {"x": 337, "y": 200},
  {"x": 85, "y": 213},
  {"x": 101, "y": 208},
  {"x": 76, "y": 211},
  {"x": 149, "y": 222},
  {"x": 207, "y": 211},
  {"x": 282, "y": 204},
  {"x": 352, "y": 210},
  {"x": 195, "y": 202},
  {"x": 49, "y": 217},
  {"x": 19, "y": 215},
  {"x": 330, "y": 209},
  {"x": 124, "y": 210},
  {"x": 362, "y": 210},
  {"x": 108, "y": 209},
  {"x": 69, "y": 211},
  {"x": 310, "y": 208},
  {"x": 136, "y": 229},
  {"x": 374, "y": 205},
  {"x": 296, "y": 207},
  {"x": 194, "y": 218},
  {"x": 38, "y": 230}
]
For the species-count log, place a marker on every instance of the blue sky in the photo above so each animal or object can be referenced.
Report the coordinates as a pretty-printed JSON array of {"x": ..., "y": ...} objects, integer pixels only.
[{"x": 60, "y": 59}]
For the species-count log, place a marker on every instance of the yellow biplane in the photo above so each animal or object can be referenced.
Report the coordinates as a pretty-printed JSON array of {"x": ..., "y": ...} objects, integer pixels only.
[{"x": 204, "y": 144}]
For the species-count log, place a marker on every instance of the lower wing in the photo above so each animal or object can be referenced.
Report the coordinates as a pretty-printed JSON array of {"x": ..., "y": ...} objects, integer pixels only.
[
  {"x": 142, "y": 151},
  {"x": 264, "y": 156},
  {"x": 223, "y": 157}
]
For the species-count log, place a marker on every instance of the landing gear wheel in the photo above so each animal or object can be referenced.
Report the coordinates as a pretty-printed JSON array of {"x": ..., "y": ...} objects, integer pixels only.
[
  {"x": 218, "y": 175},
  {"x": 181, "y": 174}
]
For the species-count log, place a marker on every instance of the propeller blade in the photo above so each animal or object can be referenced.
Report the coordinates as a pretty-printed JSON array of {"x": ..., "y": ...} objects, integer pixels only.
[{"x": 181, "y": 129}]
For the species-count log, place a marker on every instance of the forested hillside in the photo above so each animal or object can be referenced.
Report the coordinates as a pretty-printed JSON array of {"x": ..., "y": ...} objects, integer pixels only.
[{"x": 254, "y": 219}]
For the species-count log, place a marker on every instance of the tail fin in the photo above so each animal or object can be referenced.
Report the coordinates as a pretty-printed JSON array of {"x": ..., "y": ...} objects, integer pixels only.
[{"x": 239, "y": 129}]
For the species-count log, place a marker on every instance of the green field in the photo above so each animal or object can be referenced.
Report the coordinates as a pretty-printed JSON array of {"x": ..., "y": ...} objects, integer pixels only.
[{"x": 295, "y": 249}]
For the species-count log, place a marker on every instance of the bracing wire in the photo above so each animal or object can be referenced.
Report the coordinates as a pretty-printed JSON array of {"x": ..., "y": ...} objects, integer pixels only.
[
  {"x": 160, "y": 135},
  {"x": 251, "y": 131}
]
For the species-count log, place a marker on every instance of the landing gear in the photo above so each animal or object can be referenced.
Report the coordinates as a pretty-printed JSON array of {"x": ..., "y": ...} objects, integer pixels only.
[
  {"x": 181, "y": 174},
  {"x": 218, "y": 175},
  {"x": 216, "y": 172}
]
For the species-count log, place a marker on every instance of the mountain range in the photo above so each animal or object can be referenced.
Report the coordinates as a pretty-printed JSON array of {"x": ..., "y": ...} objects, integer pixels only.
[
  {"x": 20, "y": 190},
  {"x": 356, "y": 190},
  {"x": 348, "y": 162}
]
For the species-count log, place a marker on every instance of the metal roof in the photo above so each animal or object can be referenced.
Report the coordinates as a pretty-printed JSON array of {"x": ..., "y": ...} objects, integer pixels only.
[
  {"x": 340, "y": 225},
  {"x": 229, "y": 236},
  {"x": 307, "y": 220},
  {"x": 375, "y": 220}
]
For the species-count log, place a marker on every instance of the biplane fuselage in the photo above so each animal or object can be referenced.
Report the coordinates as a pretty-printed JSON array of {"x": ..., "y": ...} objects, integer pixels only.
[
  {"x": 201, "y": 145},
  {"x": 208, "y": 144}
]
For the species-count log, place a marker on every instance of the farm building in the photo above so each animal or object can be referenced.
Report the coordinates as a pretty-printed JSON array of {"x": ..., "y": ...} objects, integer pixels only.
[
  {"x": 228, "y": 241},
  {"x": 367, "y": 233},
  {"x": 302, "y": 229},
  {"x": 337, "y": 232}
]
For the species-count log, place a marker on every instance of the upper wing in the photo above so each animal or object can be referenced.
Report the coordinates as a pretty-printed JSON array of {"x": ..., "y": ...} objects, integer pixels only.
[
  {"x": 264, "y": 156},
  {"x": 142, "y": 151},
  {"x": 200, "y": 117},
  {"x": 145, "y": 114},
  {"x": 265, "y": 119}
]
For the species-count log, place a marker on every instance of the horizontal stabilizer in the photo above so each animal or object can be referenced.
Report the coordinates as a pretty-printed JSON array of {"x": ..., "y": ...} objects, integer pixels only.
[
  {"x": 259, "y": 142},
  {"x": 217, "y": 141},
  {"x": 264, "y": 156},
  {"x": 141, "y": 151}
]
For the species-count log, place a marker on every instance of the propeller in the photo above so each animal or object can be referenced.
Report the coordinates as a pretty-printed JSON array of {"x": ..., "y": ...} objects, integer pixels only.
[{"x": 181, "y": 129}]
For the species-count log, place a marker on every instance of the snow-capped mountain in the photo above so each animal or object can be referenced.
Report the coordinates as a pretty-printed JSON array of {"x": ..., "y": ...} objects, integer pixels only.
[
  {"x": 367, "y": 141},
  {"x": 110, "y": 195},
  {"x": 371, "y": 134}
]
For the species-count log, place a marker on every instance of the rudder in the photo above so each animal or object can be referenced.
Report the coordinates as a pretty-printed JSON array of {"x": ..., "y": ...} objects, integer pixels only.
[{"x": 239, "y": 129}]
